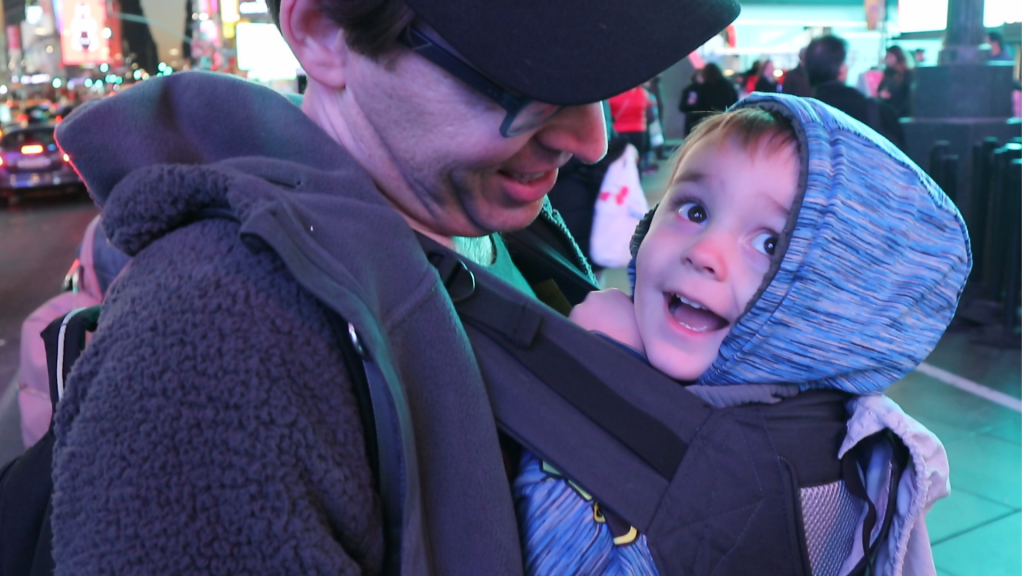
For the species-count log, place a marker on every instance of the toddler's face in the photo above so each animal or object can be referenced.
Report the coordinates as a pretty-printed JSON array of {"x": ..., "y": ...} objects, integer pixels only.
[{"x": 708, "y": 248}]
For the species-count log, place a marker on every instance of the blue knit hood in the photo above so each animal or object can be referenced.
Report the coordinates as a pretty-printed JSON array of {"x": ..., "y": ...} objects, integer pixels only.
[{"x": 875, "y": 259}]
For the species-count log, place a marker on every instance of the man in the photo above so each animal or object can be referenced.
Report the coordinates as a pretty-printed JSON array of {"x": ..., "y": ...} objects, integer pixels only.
[
  {"x": 999, "y": 49},
  {"x": 213, "y": 425},
  {"x": 825, "y": 60},
  {"x": 795, "y": 81}
]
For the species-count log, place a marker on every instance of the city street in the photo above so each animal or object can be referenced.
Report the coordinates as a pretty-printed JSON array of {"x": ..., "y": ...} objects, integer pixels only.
[{"x": 38, "y": 240}]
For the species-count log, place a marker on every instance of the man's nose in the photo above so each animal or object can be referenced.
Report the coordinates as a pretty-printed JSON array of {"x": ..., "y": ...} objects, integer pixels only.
[{"x": 579, "y": 130}]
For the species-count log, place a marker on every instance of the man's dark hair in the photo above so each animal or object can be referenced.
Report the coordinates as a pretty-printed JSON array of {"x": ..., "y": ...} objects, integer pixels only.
[
  {"x": 824, "y": 59},
  {"x": 371, "y": 26},
  {"x": 996, "y": 37},
  {"x": 713, "y": 74}
]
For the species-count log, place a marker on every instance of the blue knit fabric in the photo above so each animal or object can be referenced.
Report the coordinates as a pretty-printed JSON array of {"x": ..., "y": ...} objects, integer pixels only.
[
  {"x": 563, "y": 535},
  {"x": 875, "y": 266}
]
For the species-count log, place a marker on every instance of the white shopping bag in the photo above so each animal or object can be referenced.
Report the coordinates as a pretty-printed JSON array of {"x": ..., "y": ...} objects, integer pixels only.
[{"x": 620, "y": 207}]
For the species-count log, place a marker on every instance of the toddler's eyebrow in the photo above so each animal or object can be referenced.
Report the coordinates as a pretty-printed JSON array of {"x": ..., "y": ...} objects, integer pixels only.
[
  {"x": 778, "y": 207},
  {"x": 691, "y": 176}
]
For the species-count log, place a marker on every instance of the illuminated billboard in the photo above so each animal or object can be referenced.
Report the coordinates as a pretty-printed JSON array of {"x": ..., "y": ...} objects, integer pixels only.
[
  {"x": 263, "y": 52},
  {"x": 84, "y": 36},
  {"x": 930, "y": 15}
]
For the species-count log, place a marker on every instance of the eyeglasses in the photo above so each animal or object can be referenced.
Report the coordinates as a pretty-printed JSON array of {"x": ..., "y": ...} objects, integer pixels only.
[{"x": 522, "y": 114}]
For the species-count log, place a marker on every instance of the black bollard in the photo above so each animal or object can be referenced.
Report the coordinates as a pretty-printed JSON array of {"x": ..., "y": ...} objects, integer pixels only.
[
  {"x": 996, "y": 234},
  {"x": 1006, "y": 334},
  {"x": 1011, "y": 269},
  {"x": 938, "y": 151},
  {"x": 983, "y": 302},
  {"x": 950, "y": 166},
  {"x": 981, "y": 176}
]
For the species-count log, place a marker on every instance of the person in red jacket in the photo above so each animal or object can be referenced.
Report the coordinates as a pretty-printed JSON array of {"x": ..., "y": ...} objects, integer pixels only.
[{"x": 629, "y": 118}]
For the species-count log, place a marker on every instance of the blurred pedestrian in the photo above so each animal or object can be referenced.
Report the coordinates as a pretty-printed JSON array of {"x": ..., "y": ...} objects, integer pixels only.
[
  {"x": 897, "y": 80},
  {"x": 688, "y": 101},
  {"x": 748, "y": 80},
  {"x": 1016, "y": 99},
  {"x": 715, "y": 94},
  {"x": 1000, "y": 51},
  {"x": 826, "y": 71},
  {"x": 654, "y": 87},
  {"x": 655, "y": 133},
  {"x": 795, "y": 81},
  {"x": 629, "y": 117},
  {"x": 766, "y": 80}
]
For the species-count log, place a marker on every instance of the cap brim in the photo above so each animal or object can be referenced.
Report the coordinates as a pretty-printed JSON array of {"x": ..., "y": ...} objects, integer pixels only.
[{"x": 575, "y": 51}]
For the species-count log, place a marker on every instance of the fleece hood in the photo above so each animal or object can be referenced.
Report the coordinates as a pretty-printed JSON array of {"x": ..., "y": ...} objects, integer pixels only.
[
  {"x": 876, "y": 260},
  {"x": 183, "y": 119}
]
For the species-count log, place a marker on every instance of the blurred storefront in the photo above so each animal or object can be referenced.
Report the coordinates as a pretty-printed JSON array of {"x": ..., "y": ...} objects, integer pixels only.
[
  {"x": 776, "y": 30},
  {"x": 239, "y": 37},
  {"x": 920, "y": 26},
  {"x": 54, "y": 45}
]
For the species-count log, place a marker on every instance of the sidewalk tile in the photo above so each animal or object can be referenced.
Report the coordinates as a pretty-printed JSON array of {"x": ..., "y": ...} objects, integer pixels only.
[
  {"x": 992, "y": 550},
  {"x": 987, "y": 467},
  {"x": 959, "y": 512}
]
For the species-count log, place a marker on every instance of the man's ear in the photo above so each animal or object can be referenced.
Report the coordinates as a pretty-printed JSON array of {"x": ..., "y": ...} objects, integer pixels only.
[
  {"x": 843, "y": 70},
  {"x": 317, "y": 41}
]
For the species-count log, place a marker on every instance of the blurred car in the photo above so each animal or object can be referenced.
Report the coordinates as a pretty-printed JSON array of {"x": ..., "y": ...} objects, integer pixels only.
[{"x": 31, "y": 163}]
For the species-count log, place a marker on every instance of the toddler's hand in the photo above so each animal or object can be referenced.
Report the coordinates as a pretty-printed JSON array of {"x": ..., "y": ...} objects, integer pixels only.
[{"x": 609, "y": 312}]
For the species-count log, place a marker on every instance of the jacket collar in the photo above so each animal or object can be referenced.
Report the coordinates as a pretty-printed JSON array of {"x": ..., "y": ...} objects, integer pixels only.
[{"x": 189, "y": 118}]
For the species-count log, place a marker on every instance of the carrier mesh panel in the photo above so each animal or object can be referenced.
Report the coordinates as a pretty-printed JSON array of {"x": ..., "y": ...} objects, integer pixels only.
[{"x": 831, "y": 513}]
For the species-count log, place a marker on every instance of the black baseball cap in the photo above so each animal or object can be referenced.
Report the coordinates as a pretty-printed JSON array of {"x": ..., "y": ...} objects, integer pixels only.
[{"x": 573, "y": 51}]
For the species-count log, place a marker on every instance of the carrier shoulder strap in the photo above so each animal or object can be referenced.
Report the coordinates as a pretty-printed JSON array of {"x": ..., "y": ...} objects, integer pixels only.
[{"x": 572, "y": 389}]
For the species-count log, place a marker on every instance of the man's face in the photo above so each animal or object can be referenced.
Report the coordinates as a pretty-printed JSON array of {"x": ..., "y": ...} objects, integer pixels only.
[
  {"x": 997, "y": 48},
  {"x": 433, "y": 146},
  {"x": 708, "y": 248}
]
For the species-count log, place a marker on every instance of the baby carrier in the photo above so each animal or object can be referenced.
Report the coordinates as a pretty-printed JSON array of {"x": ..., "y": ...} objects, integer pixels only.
[
  {"x": 715, "y": 490},
  {"x": 723, "y": 491}
]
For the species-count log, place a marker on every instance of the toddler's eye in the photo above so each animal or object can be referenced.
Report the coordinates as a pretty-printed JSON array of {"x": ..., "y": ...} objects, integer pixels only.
[
  {"x": 693, "y": 212},
  {"x": 766, "y": 243}
]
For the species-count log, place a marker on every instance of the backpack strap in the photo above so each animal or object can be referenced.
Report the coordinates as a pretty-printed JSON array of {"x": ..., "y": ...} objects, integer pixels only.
[
  {"x": 383, "y": 429},
  {"x": 383, "y": 410},
  {"x": 383, "y": 437},
  {"x": 64, "y": 339}
]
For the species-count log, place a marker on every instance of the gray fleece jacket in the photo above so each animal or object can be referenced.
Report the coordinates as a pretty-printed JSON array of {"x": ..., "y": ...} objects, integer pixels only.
[{"x": 210, "y": 426}]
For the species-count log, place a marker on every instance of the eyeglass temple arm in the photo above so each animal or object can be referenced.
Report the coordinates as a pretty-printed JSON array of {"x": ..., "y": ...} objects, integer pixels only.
[{"x": 417, "y": 41}]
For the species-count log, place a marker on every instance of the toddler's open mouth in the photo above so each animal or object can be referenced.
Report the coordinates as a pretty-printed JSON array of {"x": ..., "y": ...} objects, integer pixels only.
[{"x": 693, "y": 315}]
